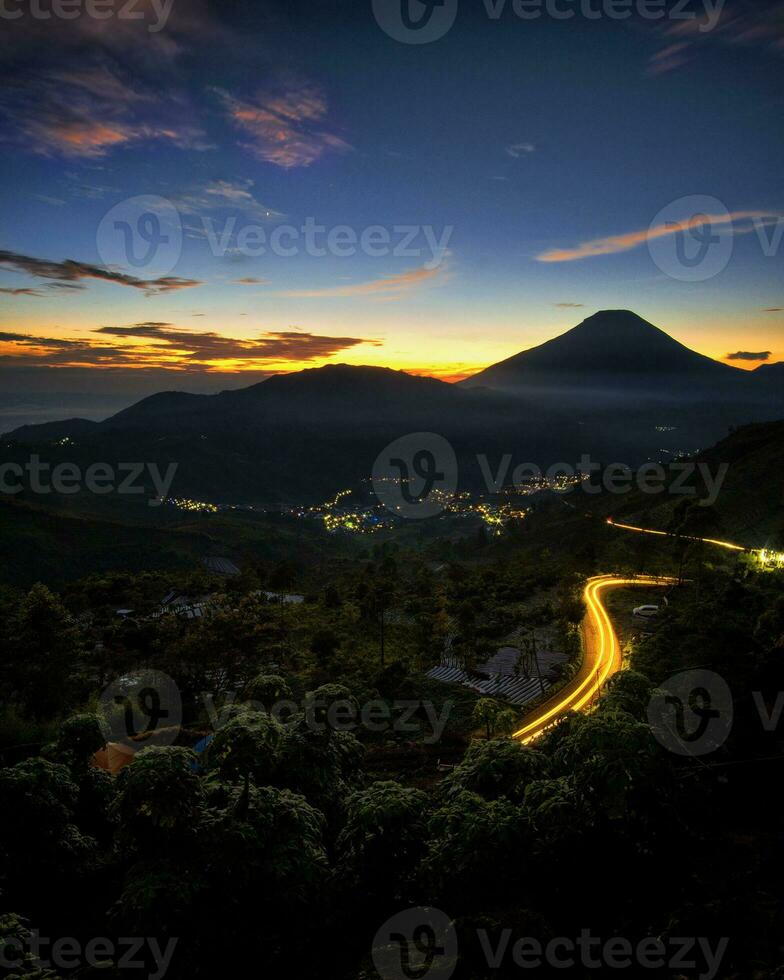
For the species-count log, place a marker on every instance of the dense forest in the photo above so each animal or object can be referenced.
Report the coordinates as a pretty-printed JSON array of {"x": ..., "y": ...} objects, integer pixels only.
[{"x": 292, "y": 834}]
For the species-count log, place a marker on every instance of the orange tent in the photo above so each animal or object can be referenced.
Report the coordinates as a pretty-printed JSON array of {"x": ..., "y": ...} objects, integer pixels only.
[{"x": 113, "y": 757}]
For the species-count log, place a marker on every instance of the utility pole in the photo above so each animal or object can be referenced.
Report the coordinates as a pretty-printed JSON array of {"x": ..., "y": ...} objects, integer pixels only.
[{"x": 530, "y": 645}]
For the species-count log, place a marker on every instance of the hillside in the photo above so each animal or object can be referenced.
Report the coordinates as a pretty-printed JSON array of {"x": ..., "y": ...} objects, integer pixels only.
[
  {"x": 615, "y": 387},
  {"x": 749, "y": 509},
  {"x": 304, "y": 436}
]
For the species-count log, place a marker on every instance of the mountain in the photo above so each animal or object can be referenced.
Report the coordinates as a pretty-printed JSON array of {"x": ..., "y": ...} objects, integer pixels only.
[
  {"x": 46, "y": 431},
  {"x": 770, "y": 374},
  {"x": 749, "y": 507},
  {"x": 639, "y": 391},
  {"x": 301, "y": 437},
  {"x": 615, "y": 387},
  {"x": 611, "y": 348}
]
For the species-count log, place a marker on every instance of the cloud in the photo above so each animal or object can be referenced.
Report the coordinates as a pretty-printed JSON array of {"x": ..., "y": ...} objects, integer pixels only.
[
  {"x": 285, "y": 126},
  {"x": 292, "y": 345},
  {"x": 630, "y": 240},
  {"x": 390, "y": 287},
  {"x": 518, "y": 150},
  {"x": 569, "y": 306},
  {"x": 69, "y": 272},
  {"x": 156, "y": 344},
  {"x": 774, "y": 309},
  {"x": 669, "y": 58},
  {"x": 88, "y": 112},
  {"x": 745, "y": 355},
  {"x": 759, "y": 25},
  {"x": 26, "y": 340},
  {"x": 30, "y": 291},
  {"x": 225, "y": 195},
  {"x": 21, "y": 291},
  {"x": 250, "y": 281}
]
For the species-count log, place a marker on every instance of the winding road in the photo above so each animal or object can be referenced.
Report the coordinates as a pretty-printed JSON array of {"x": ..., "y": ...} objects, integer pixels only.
[{"x": 602, "y": 656}]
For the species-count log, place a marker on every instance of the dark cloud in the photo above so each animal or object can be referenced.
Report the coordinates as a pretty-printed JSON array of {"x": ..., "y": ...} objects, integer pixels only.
[
  {"x": 168, "y": 347},
  {"x": 570, "y": 306},
  {"x": 25, "y": 291},
  {"x": 89, "y": 111},
  {"x": 69, "y": 272},
  {"x": 290, "y": 345},
  {"x": 26, "y": 340},
  {"x": 747, "y": 355}
]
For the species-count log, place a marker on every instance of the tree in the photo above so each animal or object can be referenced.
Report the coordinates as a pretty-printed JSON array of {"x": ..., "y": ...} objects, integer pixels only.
[
  {"x": 160, "y": 800},
  {"x": 383, "y": 838},
  {"x": 38, "y": 830},
  {"x": 269, "y": 690},
  {"x": 628, "y": 691},
  {"x": 477, "y": 850},
  {"x": 43, "y": 649},
  {"x": 496, "y": 768},
  {"x": 247, "y": 748},
  {"x": 15, "y": 952},
  {"x": 80, "y": 737},
  {"x": 223, "y": 650},
  {"x": 324, "y": 645},
  {"x": 486, "y": 712}
]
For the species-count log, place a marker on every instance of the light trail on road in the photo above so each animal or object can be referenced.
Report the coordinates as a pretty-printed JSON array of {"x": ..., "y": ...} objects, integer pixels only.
[
  {"x": 683, "y": 537},
  {"x": 768, "y": 557},
  {"x": 602, "y": 656}
]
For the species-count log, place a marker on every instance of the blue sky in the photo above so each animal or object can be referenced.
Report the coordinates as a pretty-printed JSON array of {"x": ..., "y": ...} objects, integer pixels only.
[{"x": 507, "y": 140}]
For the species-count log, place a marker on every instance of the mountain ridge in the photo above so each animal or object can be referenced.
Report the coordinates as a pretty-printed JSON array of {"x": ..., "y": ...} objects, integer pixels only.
[
  {"x": 609, "y": 344},
  {"x": 306, "y": 434}
]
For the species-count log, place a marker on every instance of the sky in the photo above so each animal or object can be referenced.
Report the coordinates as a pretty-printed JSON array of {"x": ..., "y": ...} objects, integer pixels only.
[{"x": 198, "y": 195}]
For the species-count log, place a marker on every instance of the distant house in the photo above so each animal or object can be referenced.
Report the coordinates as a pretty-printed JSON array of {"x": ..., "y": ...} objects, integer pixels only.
[
  {"x": 285, "y": 597},
  {"x": 176, "y": 603},
  {"x": 220, "y": 566}
]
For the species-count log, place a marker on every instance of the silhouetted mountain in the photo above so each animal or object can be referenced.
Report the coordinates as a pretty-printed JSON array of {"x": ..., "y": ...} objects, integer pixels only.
[
  {"x": 635, "y": 387},
  {"x": 305, "y": 435},
  {"x": 770, "y": 374},
  {"x": 49, "y": 431},
  {"x": 613, "y": 348},
  {"x": 615, "y": 387}
]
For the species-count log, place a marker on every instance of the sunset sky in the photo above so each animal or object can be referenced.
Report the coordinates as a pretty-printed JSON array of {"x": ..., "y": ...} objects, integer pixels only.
[{"x": 537, "y": 153}]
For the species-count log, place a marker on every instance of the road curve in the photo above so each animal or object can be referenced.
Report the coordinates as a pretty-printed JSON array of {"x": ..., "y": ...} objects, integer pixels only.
[{"x": 602, "y": 657}]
